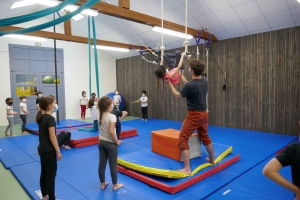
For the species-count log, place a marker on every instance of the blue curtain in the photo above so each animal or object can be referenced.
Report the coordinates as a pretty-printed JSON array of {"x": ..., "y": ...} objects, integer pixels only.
[
  {"x": 32, "y": 16},
  {"x": 88, "y": 4},
  {"x": 96, "y": 56}
]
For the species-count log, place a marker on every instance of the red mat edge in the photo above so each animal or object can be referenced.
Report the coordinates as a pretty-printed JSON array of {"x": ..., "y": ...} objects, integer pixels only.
[{"x": 181, "y": 186}]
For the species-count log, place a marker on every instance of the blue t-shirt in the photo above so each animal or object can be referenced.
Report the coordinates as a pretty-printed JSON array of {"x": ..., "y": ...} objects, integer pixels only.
[{"x": 195, "y": 92}]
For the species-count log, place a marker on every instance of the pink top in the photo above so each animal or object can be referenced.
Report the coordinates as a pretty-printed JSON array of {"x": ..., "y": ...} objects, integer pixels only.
[{"x": 176, "y": 78}]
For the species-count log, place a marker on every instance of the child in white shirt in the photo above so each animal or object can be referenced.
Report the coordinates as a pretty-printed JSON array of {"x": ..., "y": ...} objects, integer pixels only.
[
  {"x": 10, "y": 116},
  {"x": 23, "y": 113},
  {"x": 144, "y": 105},
  {"x": 117, "y": 99}
]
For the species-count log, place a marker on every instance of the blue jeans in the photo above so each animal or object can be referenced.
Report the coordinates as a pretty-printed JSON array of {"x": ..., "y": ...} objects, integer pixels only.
[{"x": 170, "y": 62}]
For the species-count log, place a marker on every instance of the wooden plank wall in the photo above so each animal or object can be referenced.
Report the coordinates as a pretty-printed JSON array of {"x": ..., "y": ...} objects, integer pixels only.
[{"x": 262, "y": 83}]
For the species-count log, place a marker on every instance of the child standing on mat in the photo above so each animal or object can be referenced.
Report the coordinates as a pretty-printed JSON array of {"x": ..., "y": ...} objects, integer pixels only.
[
  {"x": 120, "y": 116},
  {"x": 195, "y": 92},
  {"x": 108, "y": 143},
  {"x": 176, "y": 69},
  {"x": 23, "y": 113},
  {"x": 288, "y": 157},
  {"x": 39, "y": 95},
  {"x": 48, "y": 148},
  {"x": 93, "y": 106},
  {"x": 117, "y": 99},
  {"x": 83, "y": 103},
  {"x": 10, "y": 114},
  {"x": 144, "y": 105}
]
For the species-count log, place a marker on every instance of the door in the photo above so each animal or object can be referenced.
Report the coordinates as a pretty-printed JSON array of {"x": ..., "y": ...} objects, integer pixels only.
[{"x": 25, "y": 84}]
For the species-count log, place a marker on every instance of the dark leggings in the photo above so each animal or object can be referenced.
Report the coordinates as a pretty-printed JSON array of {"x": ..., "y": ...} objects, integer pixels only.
[
  {"x": 145, "y": 112},
  {"x": 48, "y": 173},
  {"x": 118, "y": 129},
  {"x": 24, "y": 119},
  {"x": 108, "y": 150},
  {"x": 64, "y": 138},
  {"x": 168, "y": 59},
  {"x": 83, "y": 109}
]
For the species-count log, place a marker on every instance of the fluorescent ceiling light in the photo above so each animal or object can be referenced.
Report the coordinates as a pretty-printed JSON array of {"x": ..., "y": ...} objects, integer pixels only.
[
  {"x": 171, "y": 32},
  {"x": 70, "y": 8},
  {"x": 22, "y": 4},
  {"x": 47, "y": 3},
  {"x": 78, "y": 17},
  {"x": 298, "y": 1},
  {"x": 90, "y": 12},
  {"x": 26, "y": 37},
  {"x": 111, "y": 48}
]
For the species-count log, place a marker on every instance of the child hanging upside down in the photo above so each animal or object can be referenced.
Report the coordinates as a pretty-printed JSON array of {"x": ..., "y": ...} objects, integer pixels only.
[{"x": 176, "y": 69}]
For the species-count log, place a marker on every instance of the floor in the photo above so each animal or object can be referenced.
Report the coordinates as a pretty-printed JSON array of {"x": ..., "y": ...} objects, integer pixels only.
[{"x": 242, "y": 180}]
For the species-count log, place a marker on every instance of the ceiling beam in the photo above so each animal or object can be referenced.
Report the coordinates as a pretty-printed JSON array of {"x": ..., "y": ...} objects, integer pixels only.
[
  {"x": 71, "y": 38},
  {"x": 131, "y": 15}
]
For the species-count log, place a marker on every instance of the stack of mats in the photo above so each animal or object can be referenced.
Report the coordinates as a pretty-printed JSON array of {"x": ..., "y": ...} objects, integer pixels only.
[
  {"x": 158, "y": 168},
  {"x": 81, "y": 138},
  {"x": 62, "y": 126}
]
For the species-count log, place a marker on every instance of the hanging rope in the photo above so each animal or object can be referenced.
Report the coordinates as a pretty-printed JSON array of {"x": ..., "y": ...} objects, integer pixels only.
[
  {"x": 95, "y": 55},
  {"x": 36, "y": 15},
  {"x": 89, "y": 46},
  {"x": 88, "y": 4},
  {"x": 162, "y": 47},
  {"x": 186, "y": 43}
]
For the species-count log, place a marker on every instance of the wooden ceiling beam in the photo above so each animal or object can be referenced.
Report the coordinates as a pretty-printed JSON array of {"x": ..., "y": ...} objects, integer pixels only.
[
  {"x": 131, "y": 15},
  {"x": 71, "y": 38}
]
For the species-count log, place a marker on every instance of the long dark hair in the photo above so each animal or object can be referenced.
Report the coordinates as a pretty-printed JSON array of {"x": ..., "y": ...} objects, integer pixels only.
[
  {"x": 91, "y": 103},
  {"x": 160, "y": 72},
  {"x": 103, "y": 104},
  {"x": 44, "y": 103}
]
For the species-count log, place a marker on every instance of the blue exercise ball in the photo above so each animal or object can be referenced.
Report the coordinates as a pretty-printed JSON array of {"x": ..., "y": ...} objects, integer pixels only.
[{"x": 123, "y": 102}]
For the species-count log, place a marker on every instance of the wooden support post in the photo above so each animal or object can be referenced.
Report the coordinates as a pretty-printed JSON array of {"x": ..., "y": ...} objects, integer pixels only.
[
  {"x": 124, "y": 4},
  {"x": 67, "y": 25}
]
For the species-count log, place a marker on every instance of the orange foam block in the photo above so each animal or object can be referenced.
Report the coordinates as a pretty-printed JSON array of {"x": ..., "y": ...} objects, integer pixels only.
[{"x": 165, "y": 142}]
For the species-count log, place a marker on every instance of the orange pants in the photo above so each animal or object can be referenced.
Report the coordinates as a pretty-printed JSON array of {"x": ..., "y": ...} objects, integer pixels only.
[{"x": 194, "y": 120}]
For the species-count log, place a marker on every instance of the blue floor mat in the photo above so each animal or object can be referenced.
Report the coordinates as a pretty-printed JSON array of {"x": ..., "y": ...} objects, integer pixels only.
[
  {"x": 79, "y": 167},
  {"x": 12, "y": 155},
  {"x": 254, "y": 185},
  {"x": 63, "y": 124},
  {"x": 28, "y": 176}
]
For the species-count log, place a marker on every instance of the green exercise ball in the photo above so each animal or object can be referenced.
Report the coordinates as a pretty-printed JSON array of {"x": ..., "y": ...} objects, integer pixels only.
[{"x": 48, "y": 80}]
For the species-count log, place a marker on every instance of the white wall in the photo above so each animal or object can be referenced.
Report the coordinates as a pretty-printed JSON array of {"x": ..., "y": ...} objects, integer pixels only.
[{"x": 76, "y": 73}]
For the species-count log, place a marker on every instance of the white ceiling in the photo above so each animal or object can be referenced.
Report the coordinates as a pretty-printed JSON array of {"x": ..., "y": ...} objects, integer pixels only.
[{"x": 224, "y": 18}]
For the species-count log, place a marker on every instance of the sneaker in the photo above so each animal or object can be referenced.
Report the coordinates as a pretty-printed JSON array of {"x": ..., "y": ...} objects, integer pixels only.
[
  {"x": 142, "y": 119},
  {"x": 146, "y": 119},
  {"x": 67, "y": 147}
]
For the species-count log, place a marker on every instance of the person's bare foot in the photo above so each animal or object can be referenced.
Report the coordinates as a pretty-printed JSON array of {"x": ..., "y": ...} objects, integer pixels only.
[
  {"x": 104, "y": 185},
  {"x": 25, "y": 132},
  {"x": 11, "y": 135},
  {"x": 5, "y": 134},
  {"x": 117, "y": 186},
  {"x": 186, "y": 171},
  {"x": 211, "y": 161},
  {"x": 67, "y": 147}
]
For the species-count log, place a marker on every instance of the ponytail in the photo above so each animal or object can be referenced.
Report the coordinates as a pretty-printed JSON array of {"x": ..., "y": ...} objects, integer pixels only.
[
  {"x": 100, "y": 118},
  {"x": 39, "y": 116}
]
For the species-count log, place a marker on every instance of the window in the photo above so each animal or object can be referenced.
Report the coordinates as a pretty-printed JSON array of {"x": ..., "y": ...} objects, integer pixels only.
[
  {"x": 26, "y": 90},
  {"x": 50, "y": 79},
  {"x": 25, "y": 79}
]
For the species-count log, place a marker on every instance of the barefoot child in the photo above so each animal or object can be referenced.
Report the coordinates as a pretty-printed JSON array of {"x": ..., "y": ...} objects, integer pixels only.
[
  {"x": 10, "y": 114},
  {"x": 48, "y": 148},
  {"x": 108, "y": 142},
  {"x": 195, "y": 92}
]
